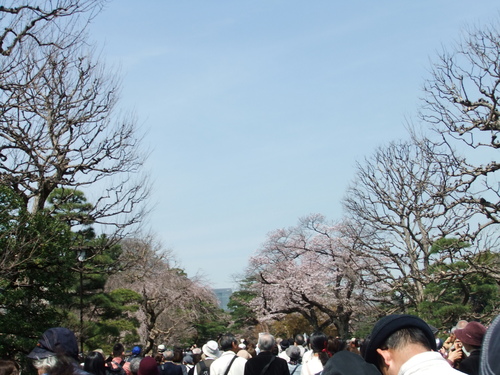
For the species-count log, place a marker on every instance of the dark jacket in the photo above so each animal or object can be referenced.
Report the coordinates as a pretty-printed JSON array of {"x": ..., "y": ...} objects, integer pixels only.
[
  {"x": 170, "y": 368},
  {"x": 470, "y": 365},
  {"x": 255, "y": 365}
]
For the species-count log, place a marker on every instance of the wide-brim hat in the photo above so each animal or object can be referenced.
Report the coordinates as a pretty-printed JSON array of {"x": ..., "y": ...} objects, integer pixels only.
[
  {"x": 386, "y": 326},
  {"x": 55, "y": 341},
  {"x": 211, "y": 349},
  {"x": 472, "y": 334}
]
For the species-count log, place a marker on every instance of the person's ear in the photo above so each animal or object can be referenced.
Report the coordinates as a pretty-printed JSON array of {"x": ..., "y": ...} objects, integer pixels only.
[{"x": 387, "y": 357}]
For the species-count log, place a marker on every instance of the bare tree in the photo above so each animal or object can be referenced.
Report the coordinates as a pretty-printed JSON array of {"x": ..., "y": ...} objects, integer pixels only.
[
  {"x": 46, "y": 22},
  {"x": 462, "y": 106},
  {"x": 313, "y": 269},
  {"x": 400, "y": 204},
  {"x": 58, "y": 128}
]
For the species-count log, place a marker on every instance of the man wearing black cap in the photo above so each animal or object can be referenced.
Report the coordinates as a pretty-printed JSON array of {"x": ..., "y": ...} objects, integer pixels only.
[
  {"x": 405, "y": 344},
  {"x": 57, "y": 351}
]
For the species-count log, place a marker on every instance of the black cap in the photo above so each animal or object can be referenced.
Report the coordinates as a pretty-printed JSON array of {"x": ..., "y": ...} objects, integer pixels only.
[
  {"x": 54, "y": 341},
  {"x": 390, "y": 324}
]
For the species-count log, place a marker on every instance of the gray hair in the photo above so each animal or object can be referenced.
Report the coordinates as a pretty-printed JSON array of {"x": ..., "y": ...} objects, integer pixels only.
[
  {"x": 134, "y": 364},
  {"x": 168, "y": 354},
  {"x": 266, "y": 342},
  {"x": 45, "y": 363}
]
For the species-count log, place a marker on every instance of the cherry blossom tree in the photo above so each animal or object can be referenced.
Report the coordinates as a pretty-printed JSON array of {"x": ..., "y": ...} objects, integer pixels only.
[
  {"x": 171, "y": 302},
  {"x": 314, "y": 269}
]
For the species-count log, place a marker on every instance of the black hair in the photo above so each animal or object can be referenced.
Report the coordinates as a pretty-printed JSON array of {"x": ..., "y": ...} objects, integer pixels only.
[
  {"x": 94, "y": 364},
  {"x": 405, "y": 336},
  {"x": 299, "y": 339},
  {"x": 118, "y": 350},
  {"x": 226, "y": 341}
]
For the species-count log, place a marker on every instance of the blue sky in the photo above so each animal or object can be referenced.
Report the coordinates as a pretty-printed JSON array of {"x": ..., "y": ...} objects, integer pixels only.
[{"x": 256, "y": 111}]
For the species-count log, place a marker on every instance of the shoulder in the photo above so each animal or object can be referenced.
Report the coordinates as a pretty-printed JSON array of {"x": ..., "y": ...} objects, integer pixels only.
[
  {"x": 281, "y": 361},
  {"x": 470, "y": 365},
  {"x": 240, "y": 359}
]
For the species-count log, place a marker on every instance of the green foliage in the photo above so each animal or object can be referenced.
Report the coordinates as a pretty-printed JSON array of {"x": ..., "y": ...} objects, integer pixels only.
[
  {"x": 102, "y": 317},
  {"x": 53, "y": 276},
  {"x": 463, "y": 290},
  {"x": 35, "y": 273},
  {"x": 71, "y": 207},
  {"x": 210, "y": 325},
  {"x": 451, "y": 245},
  {"x": 242, "y": 315}
]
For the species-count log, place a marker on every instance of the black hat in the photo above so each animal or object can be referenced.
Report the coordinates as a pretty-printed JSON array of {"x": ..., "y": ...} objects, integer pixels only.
[
  {"x": 390, "y": 324},
  {"x": 348, "y": 363},
  {"x": 56, "y": 341}
]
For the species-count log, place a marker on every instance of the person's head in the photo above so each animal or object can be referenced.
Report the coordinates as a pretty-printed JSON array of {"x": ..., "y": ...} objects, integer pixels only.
[
  {"x": 56, "y": 341},
  {"x": 9, "y": 367},
  {"x": 134, "y": 365},
  {"x": 148, "y": 366},
  {"x": 178, "y": 355},
  {"x": 169, "y": 355},
  {"x": 266, "y": 342},
  {"x": 136, "y": 351},
  {"x": 334, "y": 345},
  {"x": 211, "y": 349},
  {"x": 471, "y": 335},
  {"x": 395, "y": 339},
  {"x": 242, "y": 344},
  {"x": 293, "y": 352},
  {"x": 188, "y": 360},
  {"x": 319, "y": 342},
  {"x": 94, "y": 364},
  {"x": 159, "y": 358},
  {"x": 284, "y": 344},
  {"x": 228, "y": 342},
  {"x": 196, "y": 358},
  {"x": 56, "y": 352},
  {"x": 299, "y": 339},
  {"x": 118, "y": 350}
]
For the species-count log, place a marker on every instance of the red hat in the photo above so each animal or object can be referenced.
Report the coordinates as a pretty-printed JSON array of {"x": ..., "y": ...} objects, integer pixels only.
[
  {"x": 148, "y": 366},
  {"x": 471, "y": 334}
]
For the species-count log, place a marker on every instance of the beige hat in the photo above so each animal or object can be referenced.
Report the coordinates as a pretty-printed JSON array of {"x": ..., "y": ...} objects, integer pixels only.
[{"x": 211, "y": 349}]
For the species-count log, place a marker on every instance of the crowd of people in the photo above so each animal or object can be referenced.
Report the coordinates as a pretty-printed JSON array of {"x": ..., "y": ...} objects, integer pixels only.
[{"x": 398, "y": 345}]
